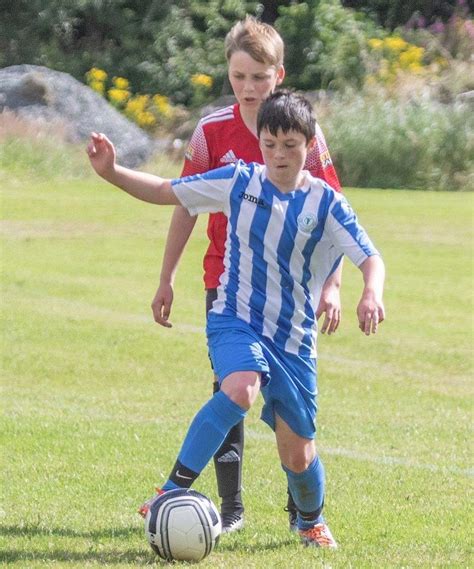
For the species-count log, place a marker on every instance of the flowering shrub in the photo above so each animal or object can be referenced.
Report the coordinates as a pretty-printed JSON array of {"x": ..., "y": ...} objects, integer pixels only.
[
  {"x": 436, "y": 60},
  {"x": 96, "y": 79},
  {"x": 202, "y": 85},
  {"x": 454, "y": 36},
  {"x": 201, "y": 80},
  {"x": 119, "y": 94},
  {"x": 121, "y": 83},
  {"x": 147, "y": 111},
  {"x": 163, "y": 105},
  {"x": 393, "y": 55}
]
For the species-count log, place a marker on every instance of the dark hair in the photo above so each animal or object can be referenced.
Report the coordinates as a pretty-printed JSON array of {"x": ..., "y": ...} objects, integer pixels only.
[{"x": 288, "y": 111}]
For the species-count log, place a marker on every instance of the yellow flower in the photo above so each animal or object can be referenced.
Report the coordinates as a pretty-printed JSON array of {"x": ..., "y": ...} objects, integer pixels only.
[
  {"x": 97, "y": 86},
  {"x": 201, "y": 80},
  {"x": 162, "y": 105},
  {"x": 146, "y": 119},
  {"x": 138, "y": 110},
  {"x": 395, "y": 43},
  {"x": 415, "y": 68},
  {"x": 412, "y": 58},
  {"x": 118, "y": 96},
  {"x": 137, "y": 104},
  {"x": 375, "y": 43},
  {"x": 121, "y": 83},
  {"x": 160, "y": 100},
  {"x": 96, "y": 74}
]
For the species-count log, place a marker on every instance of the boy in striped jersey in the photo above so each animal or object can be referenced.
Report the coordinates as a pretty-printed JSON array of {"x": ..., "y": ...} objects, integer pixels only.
[
  {"x": 286, "y": 234},
  {"x": 255, "y": 53}
]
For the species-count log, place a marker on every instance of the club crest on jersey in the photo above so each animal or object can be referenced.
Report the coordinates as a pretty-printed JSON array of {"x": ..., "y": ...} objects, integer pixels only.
[
  {"x": 325, "y": 159},
  {"x": 189, "y": 153},
  {"x": 307, "y": 222}
]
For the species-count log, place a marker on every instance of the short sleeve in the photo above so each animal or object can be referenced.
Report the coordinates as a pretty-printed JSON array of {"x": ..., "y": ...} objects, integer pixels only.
[
  {"x": 208, "y": 192},
  {"x": 347, "y": 235},
  {"x": 319, "y": 162},
  {"x": 196, "y": 157}
]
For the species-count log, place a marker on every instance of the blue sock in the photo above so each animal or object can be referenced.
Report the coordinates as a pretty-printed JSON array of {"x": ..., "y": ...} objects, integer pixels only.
[
  {"x": 307, "y": 490},
  {"x": 169, "y": 485},
  {"x": 208, "y": 431}
]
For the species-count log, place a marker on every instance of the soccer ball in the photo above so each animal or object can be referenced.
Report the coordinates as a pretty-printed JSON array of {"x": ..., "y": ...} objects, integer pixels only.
[{"x": 182, "y": 525}]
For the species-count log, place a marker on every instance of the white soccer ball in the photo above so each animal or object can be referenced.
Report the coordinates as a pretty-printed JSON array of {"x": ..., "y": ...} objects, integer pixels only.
[{"x": 182, "y": 525}]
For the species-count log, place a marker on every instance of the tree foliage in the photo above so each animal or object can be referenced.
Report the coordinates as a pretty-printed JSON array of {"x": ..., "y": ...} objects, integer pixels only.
[
  {"x": 325, "y": 43},
  {"x": 393, "y": 13},
  {"x": 157, "y": 44}
]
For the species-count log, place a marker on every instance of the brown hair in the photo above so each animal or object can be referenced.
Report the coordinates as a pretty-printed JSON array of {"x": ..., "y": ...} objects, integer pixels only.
[{"x": 261, "y": 41}]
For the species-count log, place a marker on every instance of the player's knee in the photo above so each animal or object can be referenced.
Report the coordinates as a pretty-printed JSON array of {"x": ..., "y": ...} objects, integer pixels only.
[
  {"x": 241, "y": 397},
  {"x": 299, "y": 457},
  {"x": 242, "y": 388},
  {"x": 297, "y": 463}
]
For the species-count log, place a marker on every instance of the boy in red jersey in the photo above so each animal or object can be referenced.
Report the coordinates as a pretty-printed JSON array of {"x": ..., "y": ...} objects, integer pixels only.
[{"x": 254, "y": 52}]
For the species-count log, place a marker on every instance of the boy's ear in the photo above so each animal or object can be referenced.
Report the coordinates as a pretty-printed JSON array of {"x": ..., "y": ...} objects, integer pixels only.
[{"x": 280, "y": 75}]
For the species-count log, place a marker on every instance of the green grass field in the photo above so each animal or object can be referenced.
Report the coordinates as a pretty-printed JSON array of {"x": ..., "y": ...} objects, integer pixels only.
[{"x": 97, "y": 397}]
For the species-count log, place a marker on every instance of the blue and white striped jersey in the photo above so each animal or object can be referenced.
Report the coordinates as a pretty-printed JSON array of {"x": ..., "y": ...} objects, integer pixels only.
[{"x": 280, "y": 248}]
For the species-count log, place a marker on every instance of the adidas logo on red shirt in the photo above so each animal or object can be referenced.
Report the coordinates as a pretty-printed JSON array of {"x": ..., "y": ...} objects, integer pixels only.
[{"x": 229, "y": 157}]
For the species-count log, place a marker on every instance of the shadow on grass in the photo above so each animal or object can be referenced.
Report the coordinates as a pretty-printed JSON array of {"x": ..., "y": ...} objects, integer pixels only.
[
  {"x": 255, "y": 546},
  {"x": 135, "y": 556},
  {"x": 28, "y": 530},
  {"x": 139, "y": 556}
]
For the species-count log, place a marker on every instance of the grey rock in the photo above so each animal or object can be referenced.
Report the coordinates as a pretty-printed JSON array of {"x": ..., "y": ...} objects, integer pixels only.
[
  {"x": 466, "y": 97},
  {"x": 223, "y": 101},
  {"x": 38, "y": 93}
]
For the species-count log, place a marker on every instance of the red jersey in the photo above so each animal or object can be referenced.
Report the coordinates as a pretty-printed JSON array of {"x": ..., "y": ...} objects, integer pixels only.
[{"x": 222, "y": 138}]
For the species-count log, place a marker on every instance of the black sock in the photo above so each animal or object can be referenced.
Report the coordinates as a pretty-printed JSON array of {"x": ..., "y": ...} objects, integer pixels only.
[
  {"x": 182, "y": 476},
  {"x": 311, "y": 516},
  {"x": 228, "y": 465}
]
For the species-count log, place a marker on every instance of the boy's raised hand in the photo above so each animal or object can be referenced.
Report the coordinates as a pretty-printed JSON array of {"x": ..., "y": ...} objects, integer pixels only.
[{"x": 101, "y": 154}]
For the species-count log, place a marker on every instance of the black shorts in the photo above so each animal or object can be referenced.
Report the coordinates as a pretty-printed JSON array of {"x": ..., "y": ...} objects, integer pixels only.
[{"x": 211, "y": 295}]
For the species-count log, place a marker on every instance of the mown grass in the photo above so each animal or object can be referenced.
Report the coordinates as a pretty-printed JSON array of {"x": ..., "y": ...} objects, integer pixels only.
[{"x": 97, "y": 397}]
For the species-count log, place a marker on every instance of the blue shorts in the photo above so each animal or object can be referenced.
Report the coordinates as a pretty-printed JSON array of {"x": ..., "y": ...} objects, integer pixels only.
[{"x": 289, "y": 386}]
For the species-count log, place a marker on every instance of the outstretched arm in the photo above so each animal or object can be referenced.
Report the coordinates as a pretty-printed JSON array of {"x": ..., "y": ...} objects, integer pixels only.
[
  {"x": 330, "y": 302},
  {"x": 140, "y": 185},
  {"x": 370, "y": 310},
  {"x": 180, "y": 229}
]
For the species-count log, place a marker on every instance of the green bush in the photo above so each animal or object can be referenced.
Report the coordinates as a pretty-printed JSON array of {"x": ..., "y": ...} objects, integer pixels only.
[
  {"x": 326, "y": 44},
  {"x": 390, "y": 143},
  {"x": 157, "y": 45}
]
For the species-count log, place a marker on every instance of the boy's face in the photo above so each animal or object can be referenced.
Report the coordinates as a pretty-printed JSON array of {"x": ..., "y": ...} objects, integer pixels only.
[
  {"x": 251, "y": 80},
  {"x": 285, "y": 156}
]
